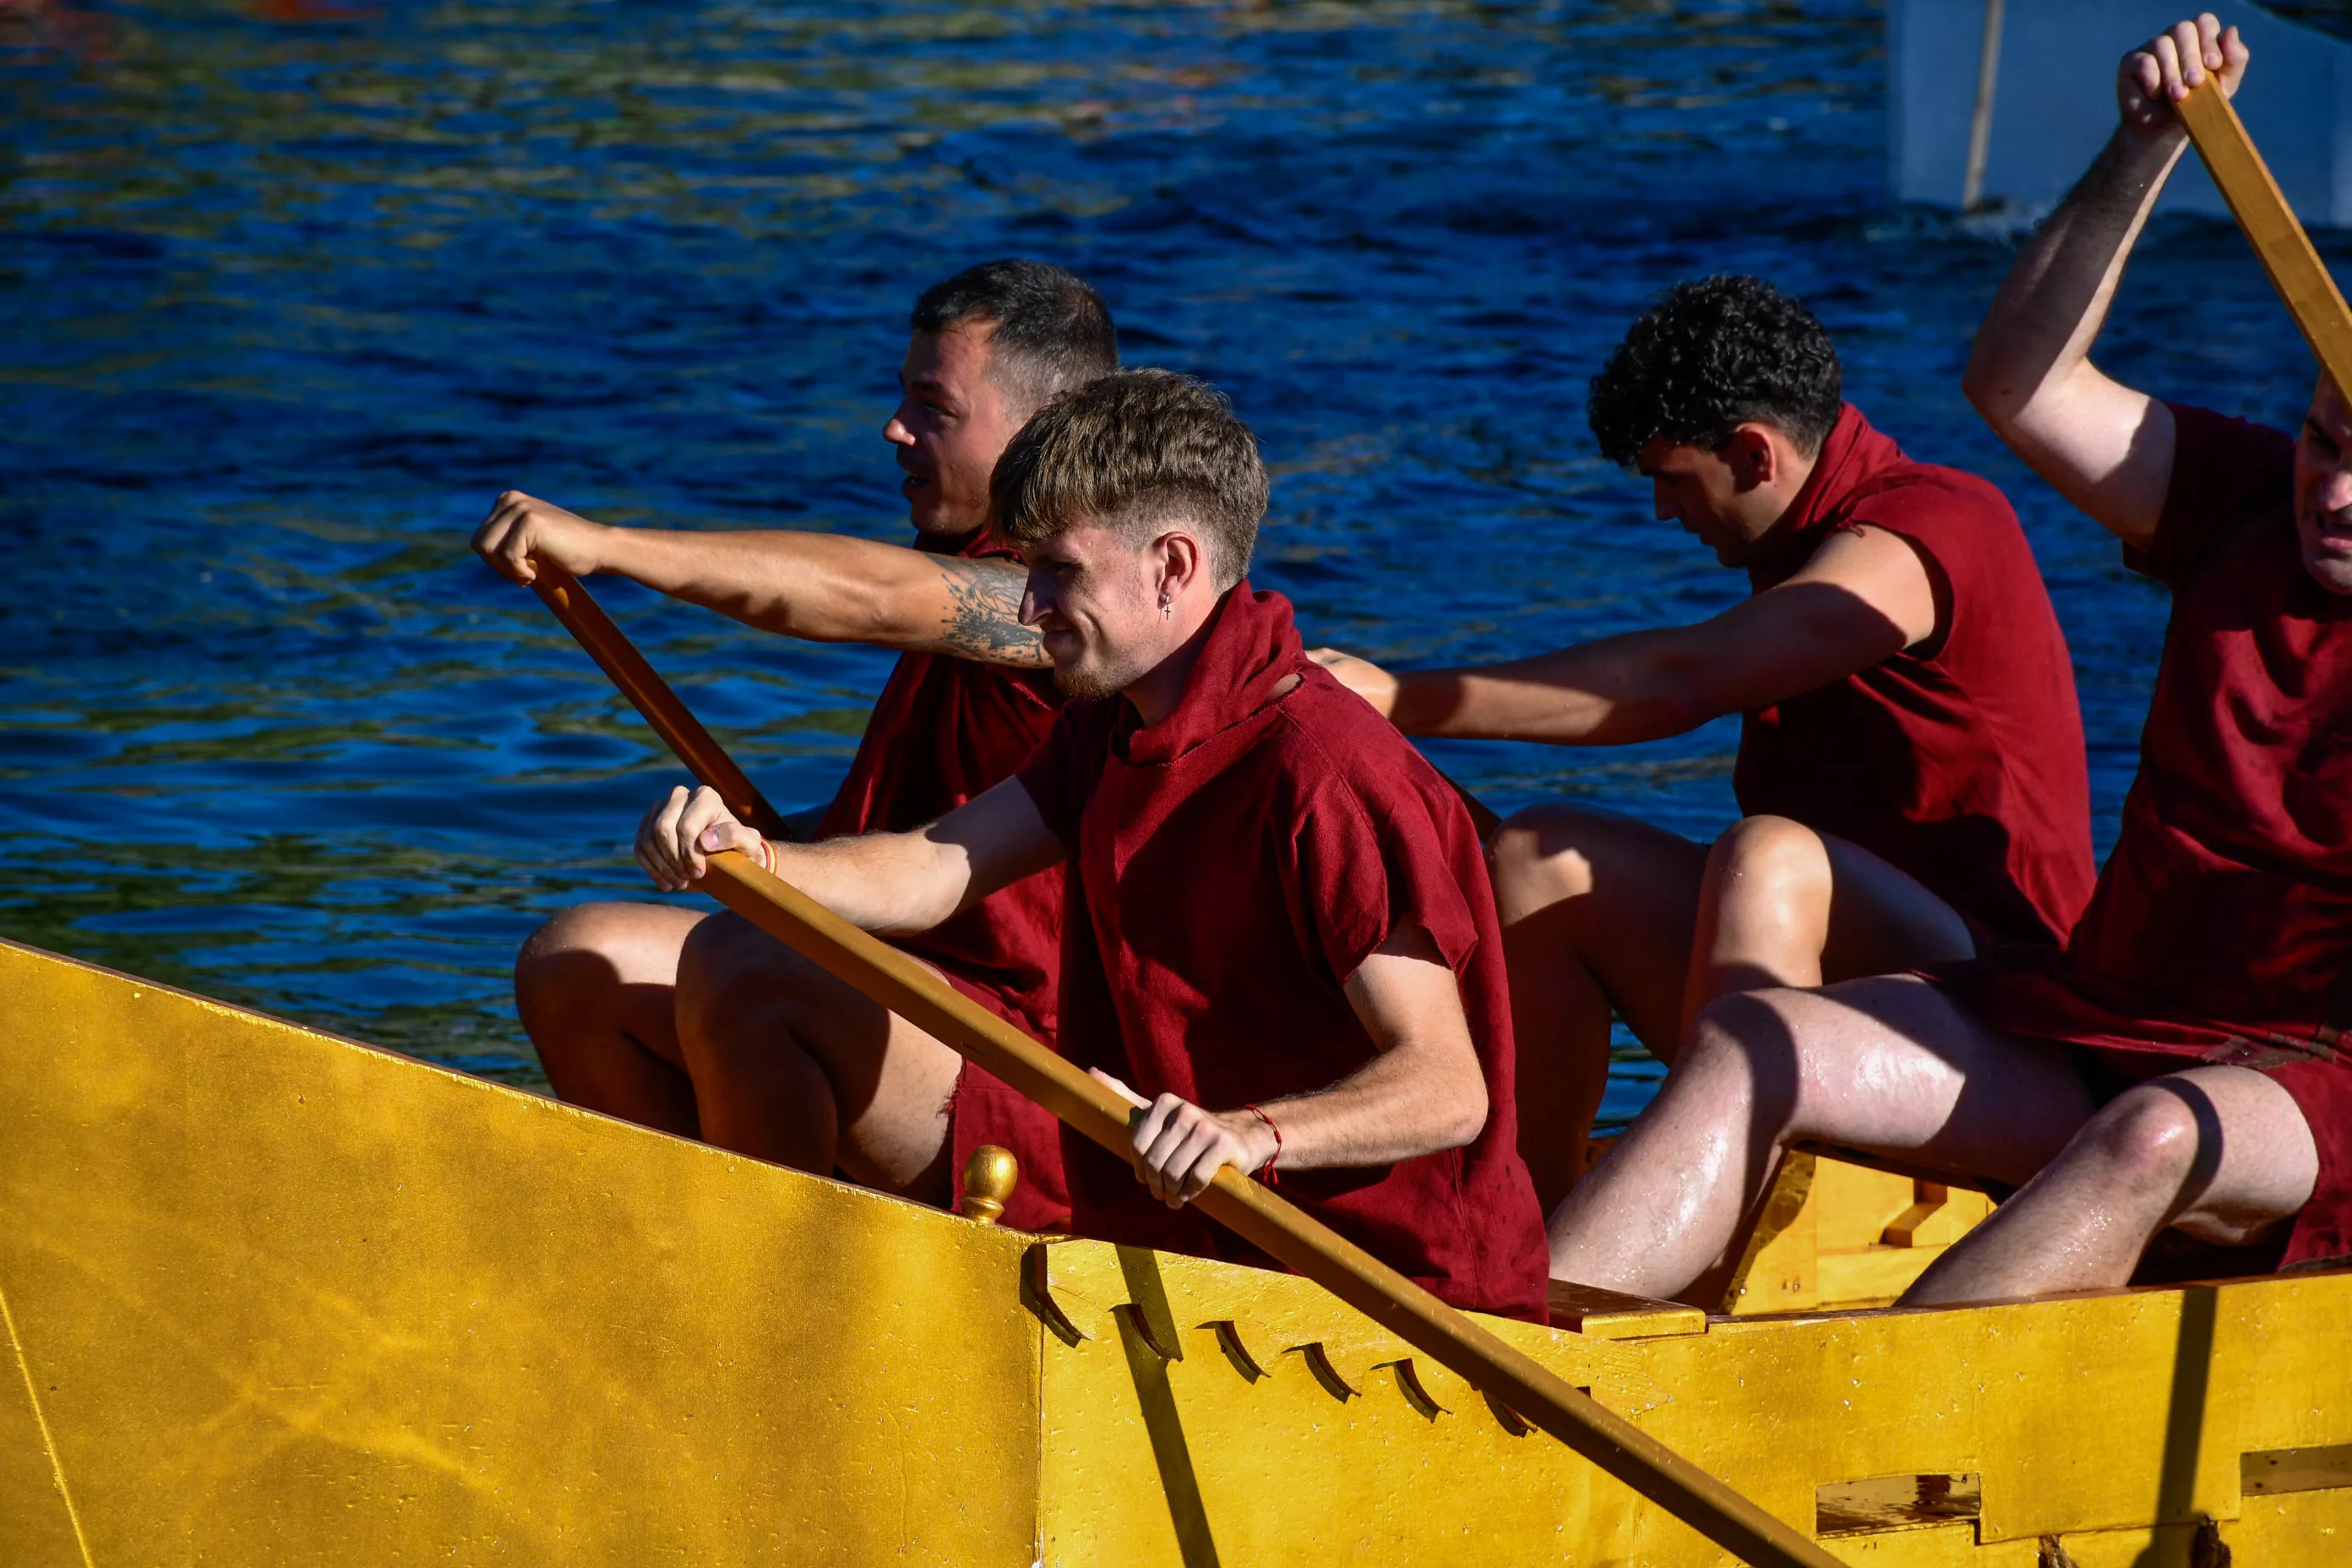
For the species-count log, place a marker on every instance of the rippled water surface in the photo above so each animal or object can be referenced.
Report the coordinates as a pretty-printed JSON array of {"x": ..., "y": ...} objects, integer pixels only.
[{"x": 288, "y": 290}]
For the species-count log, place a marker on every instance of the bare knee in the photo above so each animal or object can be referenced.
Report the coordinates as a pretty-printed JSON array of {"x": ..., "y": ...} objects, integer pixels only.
[
  {"x": 726, "y": 963},
  {"x": 1770, "y": 856},
  {"x": 741, "y": 995},
  {"x": 2147, "y": 1138},
  {"x": 570, "y": 964},
  {"x": 1540, "y": 856}
]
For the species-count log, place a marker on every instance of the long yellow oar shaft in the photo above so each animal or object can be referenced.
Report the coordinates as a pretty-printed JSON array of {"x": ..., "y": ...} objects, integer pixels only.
[
  {"x": 705, "y": 758},
  {"x": 910, "y": 989},
  {"x": 2261, "y": 209}
]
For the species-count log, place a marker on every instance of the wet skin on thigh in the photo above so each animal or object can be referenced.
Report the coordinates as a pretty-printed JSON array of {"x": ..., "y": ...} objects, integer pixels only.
[
  {"x": 1886, "y": 1063},
  {"x": 2223, "y": 1153}
]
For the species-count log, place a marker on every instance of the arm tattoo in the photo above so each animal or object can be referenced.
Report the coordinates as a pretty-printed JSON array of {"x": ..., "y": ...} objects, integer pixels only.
[{"x": 983, "y": 621}]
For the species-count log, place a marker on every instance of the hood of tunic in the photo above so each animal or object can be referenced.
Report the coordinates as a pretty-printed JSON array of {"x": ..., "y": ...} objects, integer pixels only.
[
  {"x": 1853, "y": 455},
  {"x": 1253, "y": 648}
]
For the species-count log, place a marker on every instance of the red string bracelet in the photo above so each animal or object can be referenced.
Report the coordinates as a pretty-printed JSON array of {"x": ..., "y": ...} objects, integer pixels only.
[{"x": 1266, "y": 1170}]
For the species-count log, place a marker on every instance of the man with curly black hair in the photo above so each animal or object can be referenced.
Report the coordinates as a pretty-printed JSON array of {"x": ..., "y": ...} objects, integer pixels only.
[
  {"x": 2171, "y": 1093},
  {"x": 1911, "y": 764}
]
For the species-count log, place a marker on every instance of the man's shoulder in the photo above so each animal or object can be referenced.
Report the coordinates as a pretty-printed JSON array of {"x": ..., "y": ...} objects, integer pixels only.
[
  {"x": 2232, "y": 480},
  {"x": 1330, "y": 737},
  {"x": 2246, "y": 452},
  {"x": 1931, "y": 495}
]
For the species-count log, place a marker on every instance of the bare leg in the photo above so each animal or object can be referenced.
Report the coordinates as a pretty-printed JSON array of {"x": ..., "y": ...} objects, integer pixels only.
[
  {"x": 593, "y": 987},
  {"x": 1597, "y": 913},
  {"x": 2222, "y": 1152},
  {"x": 1783, "y": 905},
  {"x": 791, "y": 1065},
  {"x": 1886, "y": 1064}
]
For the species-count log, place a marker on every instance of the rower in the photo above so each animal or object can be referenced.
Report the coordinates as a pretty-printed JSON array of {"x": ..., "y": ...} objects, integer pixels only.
[
  {"x": 2179, "y": 1064},
  {"x": 1280, "y": 929},
  {"x": 772, "y": 1056},
  {"x": 1911, "y": 762}
]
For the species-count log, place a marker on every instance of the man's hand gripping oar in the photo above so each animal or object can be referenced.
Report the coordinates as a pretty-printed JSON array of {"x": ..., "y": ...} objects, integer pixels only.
[{"x": 1095, "y": 1108}]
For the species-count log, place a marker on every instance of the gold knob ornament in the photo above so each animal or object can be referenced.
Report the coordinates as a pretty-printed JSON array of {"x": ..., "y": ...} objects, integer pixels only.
[{"x": 988, "y": 1178}]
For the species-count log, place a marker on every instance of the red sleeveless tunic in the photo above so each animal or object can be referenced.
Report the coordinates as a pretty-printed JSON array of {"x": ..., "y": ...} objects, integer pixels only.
[
  {"x": 1961, "y": 763},
  {"x": 1230, "y": 867},
  {"x": 2222, "y": 931},
  {"x": 943, "y": 730}
]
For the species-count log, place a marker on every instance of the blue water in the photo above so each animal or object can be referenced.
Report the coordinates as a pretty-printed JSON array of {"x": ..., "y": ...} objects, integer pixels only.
[{"x": 289, "y": 291}]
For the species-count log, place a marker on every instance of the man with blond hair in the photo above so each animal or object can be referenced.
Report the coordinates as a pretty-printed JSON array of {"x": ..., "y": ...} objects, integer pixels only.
[{"x": 1278, "y": 928}]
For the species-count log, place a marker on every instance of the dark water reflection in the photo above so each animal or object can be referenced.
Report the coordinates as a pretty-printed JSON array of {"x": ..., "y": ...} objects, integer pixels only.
[{"x": 288, "y": 290}]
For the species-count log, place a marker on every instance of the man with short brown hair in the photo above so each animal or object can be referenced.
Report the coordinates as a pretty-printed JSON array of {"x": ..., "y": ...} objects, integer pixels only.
[
  {"x": 699, "y": 1024},
  {"x": 1278, "y": 928}
]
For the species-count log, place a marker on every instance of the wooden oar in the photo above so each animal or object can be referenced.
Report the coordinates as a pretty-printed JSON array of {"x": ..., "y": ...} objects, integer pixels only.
[
  {"x": 910, "y": 989},
  {"x": 705, "y": 758},
  {"x": 2261, "y": 209}
]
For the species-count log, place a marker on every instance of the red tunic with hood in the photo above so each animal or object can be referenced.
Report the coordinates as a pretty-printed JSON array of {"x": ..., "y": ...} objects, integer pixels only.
[
  {"x": 2222, "y": 931},
  {"x": 1959, "y": 762},
  {"x": 944, "y": 729},
  {"x": 1230, "y": 867}
]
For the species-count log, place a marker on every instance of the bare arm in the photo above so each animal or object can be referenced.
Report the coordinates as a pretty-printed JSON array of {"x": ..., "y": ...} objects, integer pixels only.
[
  {"x": 1863, "y": 597},
  {"x": 2103, "y": 446},
  {"x": 824, "y": 587},
  {"x": 1423, "y": 1091},
  {"x": 891, "y": 882}
]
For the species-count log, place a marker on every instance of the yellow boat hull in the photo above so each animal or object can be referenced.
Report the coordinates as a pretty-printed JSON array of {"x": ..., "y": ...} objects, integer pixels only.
[{"x": 275, "y": 1298}]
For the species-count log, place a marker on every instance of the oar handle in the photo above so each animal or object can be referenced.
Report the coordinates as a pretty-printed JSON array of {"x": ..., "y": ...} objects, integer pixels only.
[
  {"x": 911, "y": 990},
  {"x": 2261, "y": 209},
  {"x": 650, "y": 694}
]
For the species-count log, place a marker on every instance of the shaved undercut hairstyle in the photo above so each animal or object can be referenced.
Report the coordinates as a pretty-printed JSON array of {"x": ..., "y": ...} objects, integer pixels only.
[
  {"x": 1052, "y": 333},
  {"x": 1709, "y": 356},
  {"x": 1134, "y": 451}
]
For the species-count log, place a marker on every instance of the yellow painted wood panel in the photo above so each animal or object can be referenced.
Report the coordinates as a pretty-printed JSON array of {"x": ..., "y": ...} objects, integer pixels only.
[
  {"x": 296, "y": 1302},
  {"x": 36, "y": 1524},
  {"x": 305, "y": 1303}
]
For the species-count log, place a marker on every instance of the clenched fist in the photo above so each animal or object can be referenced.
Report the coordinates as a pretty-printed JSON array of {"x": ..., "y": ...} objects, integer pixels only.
[
  {"x": 678, "y": 836},
  {"x": 2160, "y": 72},
  {"x": 521, "y": 527}
]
